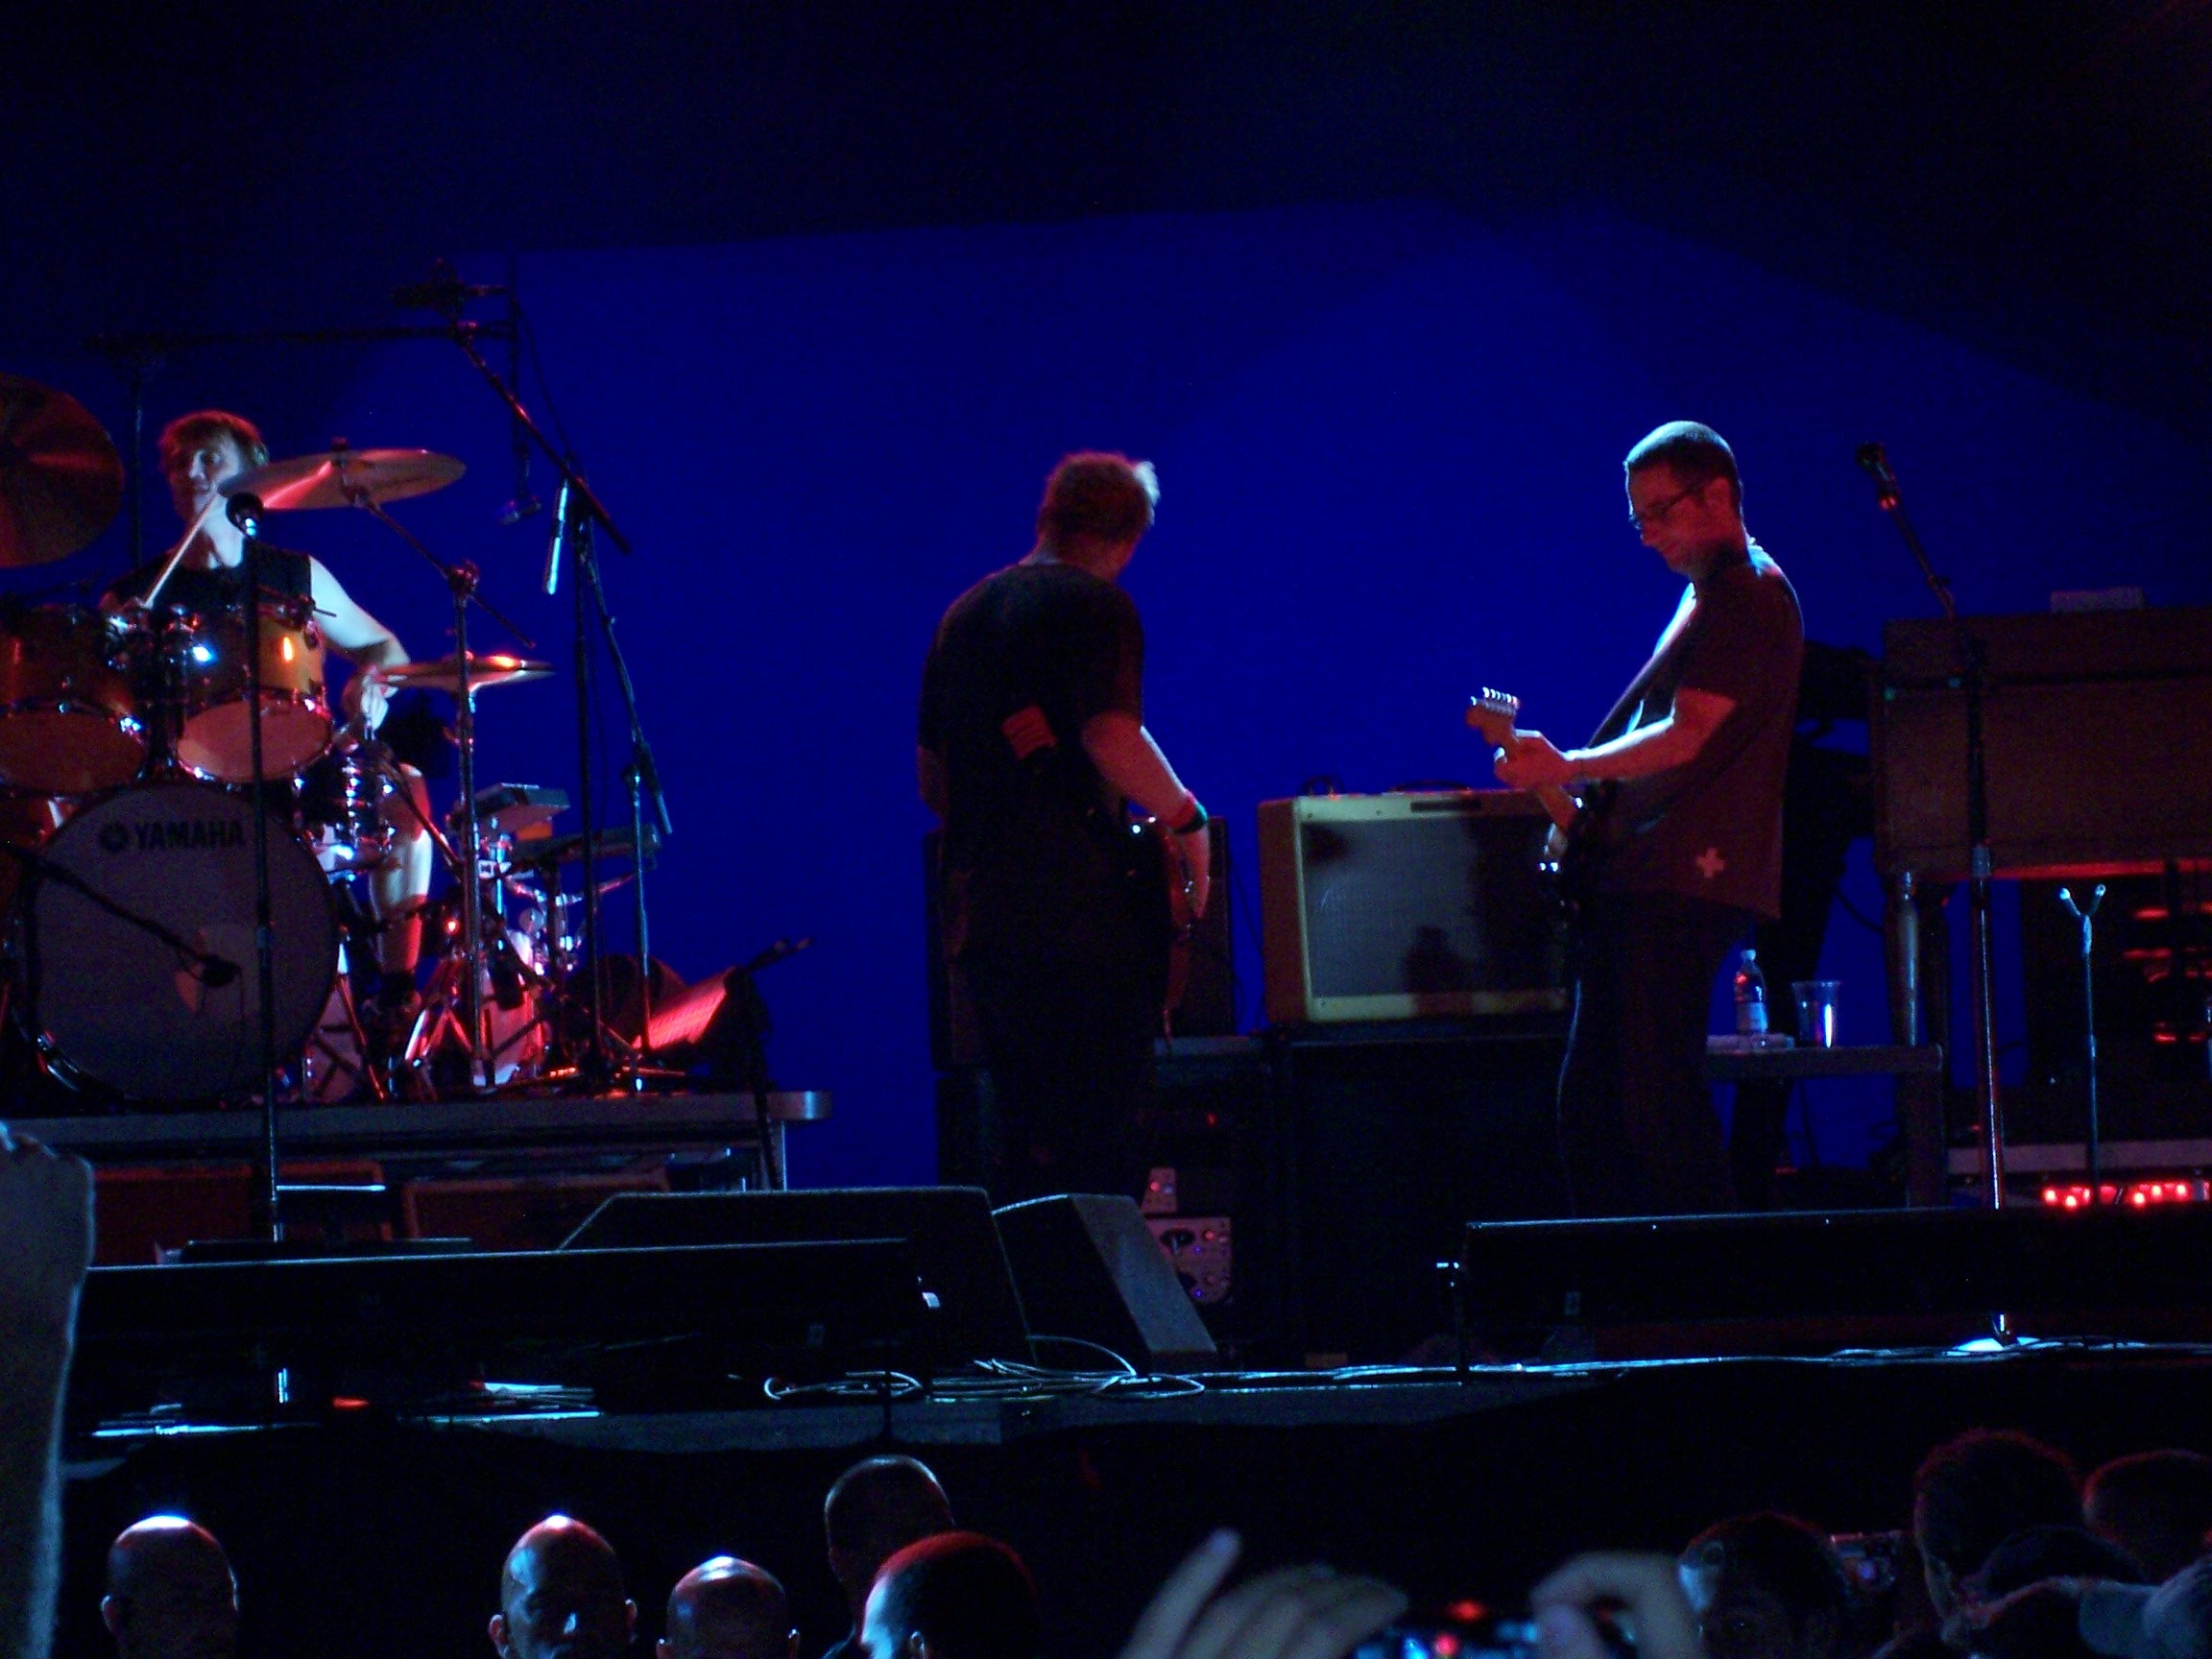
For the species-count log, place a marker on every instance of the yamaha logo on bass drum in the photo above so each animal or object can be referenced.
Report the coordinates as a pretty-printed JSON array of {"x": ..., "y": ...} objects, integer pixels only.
[{"x": 173, "y": 835}]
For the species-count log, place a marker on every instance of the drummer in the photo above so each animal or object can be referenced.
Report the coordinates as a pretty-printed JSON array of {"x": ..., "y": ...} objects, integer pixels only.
[{"x": 200, "y": 453}]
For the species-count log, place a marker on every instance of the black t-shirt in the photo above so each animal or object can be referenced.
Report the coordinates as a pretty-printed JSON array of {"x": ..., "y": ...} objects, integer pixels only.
[
  {"x": 1712, "y": 828},
  {"x": 1029, "y": 860},
  {"x": 219, "y": 588}
]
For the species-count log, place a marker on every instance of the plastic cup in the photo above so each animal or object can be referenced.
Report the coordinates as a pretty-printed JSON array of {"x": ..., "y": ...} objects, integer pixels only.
[{"x": 1817, "y": 1011}]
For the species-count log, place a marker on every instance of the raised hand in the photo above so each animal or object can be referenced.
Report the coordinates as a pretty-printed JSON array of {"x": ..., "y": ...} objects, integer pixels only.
[{"x": 1291, "y": 1613}]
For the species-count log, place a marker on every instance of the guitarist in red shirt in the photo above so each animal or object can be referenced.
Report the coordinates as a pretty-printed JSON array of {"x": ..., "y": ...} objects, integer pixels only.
[{"x": 1687, "y": 853}]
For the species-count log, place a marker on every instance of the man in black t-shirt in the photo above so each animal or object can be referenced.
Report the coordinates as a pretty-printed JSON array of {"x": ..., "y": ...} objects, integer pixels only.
[
  {"x": 1691, "y": 843},
  {"x": 1031, "y": 740}
]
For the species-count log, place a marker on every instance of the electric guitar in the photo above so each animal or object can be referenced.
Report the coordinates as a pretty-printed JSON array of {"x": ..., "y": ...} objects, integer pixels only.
[
  {"x": 1575, "y": 844},
  {"x": 1167, "y": 907}
]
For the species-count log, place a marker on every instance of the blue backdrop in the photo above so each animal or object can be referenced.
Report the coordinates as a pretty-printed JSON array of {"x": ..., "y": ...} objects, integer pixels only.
[{"x": 1388, "y": 438}]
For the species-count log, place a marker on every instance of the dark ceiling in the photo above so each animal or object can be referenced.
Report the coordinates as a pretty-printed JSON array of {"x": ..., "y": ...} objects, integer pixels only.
[{"x": 2038, "y": 188}]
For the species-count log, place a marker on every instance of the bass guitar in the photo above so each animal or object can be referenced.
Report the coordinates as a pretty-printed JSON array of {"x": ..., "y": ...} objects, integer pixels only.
[{"x": 1575, "y": 844}]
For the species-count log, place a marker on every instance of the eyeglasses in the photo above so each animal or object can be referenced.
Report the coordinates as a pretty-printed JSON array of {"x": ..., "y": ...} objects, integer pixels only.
[{"x": 1659, "y": 510}]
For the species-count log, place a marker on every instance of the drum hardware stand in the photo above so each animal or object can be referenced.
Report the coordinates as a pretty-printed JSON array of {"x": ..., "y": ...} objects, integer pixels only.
[
  {"x": 461, "y": 581},
  {"x": 2086, "y": 915},
  {"x": 1974, "y": 680},
  {"x": 579, "y": 514}
]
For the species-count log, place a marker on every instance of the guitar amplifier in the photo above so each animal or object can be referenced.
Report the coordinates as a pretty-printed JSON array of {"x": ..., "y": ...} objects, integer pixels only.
[{"x": 1407, "y": 907}]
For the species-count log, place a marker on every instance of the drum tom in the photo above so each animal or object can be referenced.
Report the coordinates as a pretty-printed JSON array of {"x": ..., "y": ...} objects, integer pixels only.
[
  {"x": 342, "y": 800},
  {"x": 113, "y": 1005},
  {"x": 68, "y": 721},
  {"x": 215, "y": 740}
]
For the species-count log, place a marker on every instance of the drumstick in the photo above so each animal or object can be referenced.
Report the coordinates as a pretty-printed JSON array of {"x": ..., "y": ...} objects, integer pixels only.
[{"x": 176, "y": 557}]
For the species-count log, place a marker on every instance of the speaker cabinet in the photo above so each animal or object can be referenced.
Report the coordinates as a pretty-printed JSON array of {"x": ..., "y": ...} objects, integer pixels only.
[
  {"x": 1091, "y": 1269},
  {"x": 1406, "y": 906}
]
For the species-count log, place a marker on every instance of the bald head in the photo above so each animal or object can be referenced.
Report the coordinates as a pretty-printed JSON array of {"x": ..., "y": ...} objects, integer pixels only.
[
  {"x": 561, "y": 1596},
  {"x": 728, "y": 1609},
  {"x": 170, "y": 1593},
  {"x": 874, "y": 1510}
]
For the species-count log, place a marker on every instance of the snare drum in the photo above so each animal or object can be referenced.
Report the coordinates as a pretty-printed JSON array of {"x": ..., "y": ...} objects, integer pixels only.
[
  {"x": 110, "y": 1003},
  {"x": 68, "y": 721},
  {"x": 342, "y": 800},
  {"x": 216, "y": 738}
]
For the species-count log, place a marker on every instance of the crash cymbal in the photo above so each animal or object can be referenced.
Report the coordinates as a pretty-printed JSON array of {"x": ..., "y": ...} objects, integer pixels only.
[
  {"x": 61, "y": 479},
  {"x": 485, "y": 668},
  {"x": 337, "y": 477}
]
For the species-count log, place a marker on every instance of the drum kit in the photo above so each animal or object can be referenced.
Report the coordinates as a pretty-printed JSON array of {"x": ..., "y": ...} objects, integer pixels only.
[{"x": 129, "y": 791}]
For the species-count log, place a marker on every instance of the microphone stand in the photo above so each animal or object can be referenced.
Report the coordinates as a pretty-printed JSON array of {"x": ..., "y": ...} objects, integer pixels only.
[
  {"x": 642, "y": 778},
  {"x": 585, "y": 516},
  {"x": 245, "y": 512},
  {"x": 1973, "y": 680}
]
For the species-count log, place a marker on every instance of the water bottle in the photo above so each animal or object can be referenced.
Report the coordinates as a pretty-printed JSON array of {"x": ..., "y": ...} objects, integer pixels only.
[{"x": 1750, "y": 996}]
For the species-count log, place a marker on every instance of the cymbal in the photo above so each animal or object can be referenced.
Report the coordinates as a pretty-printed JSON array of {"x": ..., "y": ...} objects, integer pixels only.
[
  {"x": 336, "y": 477},
  {"x": 485, "y": 668},
  {"x": 61, "y": 479}
]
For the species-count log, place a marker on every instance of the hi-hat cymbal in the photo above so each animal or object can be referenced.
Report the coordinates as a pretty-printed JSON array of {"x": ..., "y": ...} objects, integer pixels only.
[
  {"x": 342, "y": 477},
  {"x": 485, "y": 668},
  {"x": 61, "y": 479}
]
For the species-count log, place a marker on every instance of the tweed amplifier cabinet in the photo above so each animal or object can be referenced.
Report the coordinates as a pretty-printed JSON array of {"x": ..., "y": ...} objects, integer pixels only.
[{"x": 1406, "y": 906}]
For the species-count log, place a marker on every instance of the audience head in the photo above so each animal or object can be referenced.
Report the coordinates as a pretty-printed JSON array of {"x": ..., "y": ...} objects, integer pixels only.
[
  {"x": 1768, "y": 1587},
  {"x": 956, "y": 1595},
  {"x": 1976, "y": 1491},
  {"x": 170, "y": 1592},
  {"x": 728, "y": 1609},
  {"x": 561, "y": 1596},
  {"x": 2156, "y": 1506},
  {"x": 874, "y": 1510}
]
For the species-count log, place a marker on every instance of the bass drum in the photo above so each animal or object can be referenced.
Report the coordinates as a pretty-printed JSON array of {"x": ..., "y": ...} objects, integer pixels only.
[{"x": 110, "y": 1003}]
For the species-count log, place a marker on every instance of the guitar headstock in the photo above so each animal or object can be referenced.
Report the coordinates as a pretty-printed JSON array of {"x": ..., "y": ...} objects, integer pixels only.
[{"x": 1494, "y": 713}]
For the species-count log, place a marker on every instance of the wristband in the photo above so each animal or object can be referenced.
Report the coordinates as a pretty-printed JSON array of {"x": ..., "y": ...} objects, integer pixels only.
[{"x": 1195, "y": 822}]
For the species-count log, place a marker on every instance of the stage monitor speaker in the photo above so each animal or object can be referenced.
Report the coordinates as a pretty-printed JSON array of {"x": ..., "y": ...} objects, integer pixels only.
[
  {"x": 955, "y": 1244},
  {"x": 1091, "y": 1269},
  {"x": 662, "y": 1327},
  {"x": 1209, "y": 1005},
  {"x": 1820, "y": 1270},
  {"x": 1406, "y": 906}
]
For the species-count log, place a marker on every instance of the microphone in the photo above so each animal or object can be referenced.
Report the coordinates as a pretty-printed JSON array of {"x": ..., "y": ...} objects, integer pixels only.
[
  {"x": 245, "y": 511},
  {"x": 559, "y": 533},
  {"x": 1877, "y": 468},
  {"x": 444, "y": 292}
]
